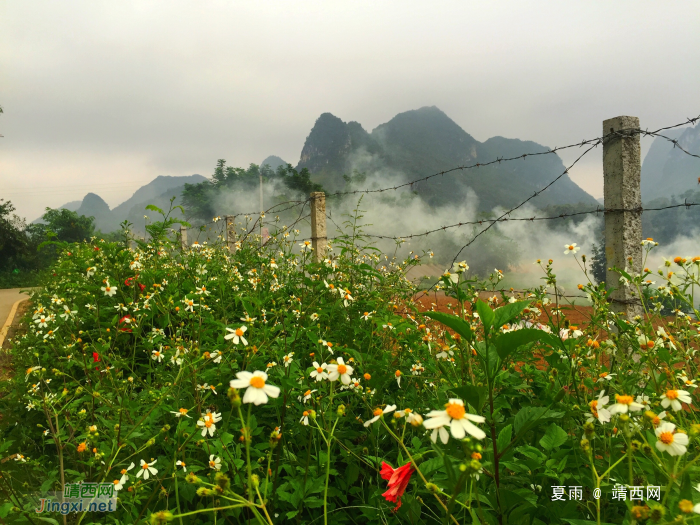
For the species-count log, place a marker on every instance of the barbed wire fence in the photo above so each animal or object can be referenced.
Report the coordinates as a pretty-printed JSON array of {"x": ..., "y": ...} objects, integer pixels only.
[{"x": 622, "y": 179}]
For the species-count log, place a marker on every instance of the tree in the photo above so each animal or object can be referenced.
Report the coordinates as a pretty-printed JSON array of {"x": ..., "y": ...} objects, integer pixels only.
[
  {"x": 68, "y": 225},
  {"x": 14, "y": 244}
]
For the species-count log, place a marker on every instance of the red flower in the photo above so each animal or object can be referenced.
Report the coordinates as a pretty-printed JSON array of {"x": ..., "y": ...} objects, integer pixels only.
[
  {"x": 124, "y": 328},
  {"x": 398, "y": 481},
  {"x": 95, "y": 359},
  {"x": 129, "y": 281},
  {"x": 142, "y": 287}
]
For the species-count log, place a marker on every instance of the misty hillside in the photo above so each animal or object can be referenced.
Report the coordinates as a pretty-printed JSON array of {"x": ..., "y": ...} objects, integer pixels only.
[
  {"x": 424, "y": 141},
  {"x": 667, "y": 171},
  {"x": 159, "y": 192}
]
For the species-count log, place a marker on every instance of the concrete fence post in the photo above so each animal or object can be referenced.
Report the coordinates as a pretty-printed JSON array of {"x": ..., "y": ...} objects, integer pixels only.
[
  {"x": 230, "y": 233},
  {"x": 183, "y": 237},
  {"x": 623, "y": 229},
  {"x": 319, "y": 240}
]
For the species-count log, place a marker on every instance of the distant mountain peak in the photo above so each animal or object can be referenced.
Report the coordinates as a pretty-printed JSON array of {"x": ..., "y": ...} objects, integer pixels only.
[
  {"x": 424, "y": 141},
  {"x": 274, "y": 162}
]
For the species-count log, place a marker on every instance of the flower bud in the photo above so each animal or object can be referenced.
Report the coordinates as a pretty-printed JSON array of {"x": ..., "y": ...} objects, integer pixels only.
[
  {"x": 694, "y": 430},
  {"x": 234, "y": 397},
  {"x": 589, "y": 429},
  {"x": 204, "y": 492},
  {"x": 624, "y": 418},
  {"x": 255, "y": 480},
  {"x": 222, "y": 480},
  {"x": 585, "y": 445},
  {"x": 192, "y": 478},
  {"x": 341, "y": 410},
  {"x": 432, "y": 487}
]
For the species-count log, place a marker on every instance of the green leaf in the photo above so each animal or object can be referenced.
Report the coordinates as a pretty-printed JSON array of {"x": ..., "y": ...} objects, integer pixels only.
[
  {"x": 508, "y": 342},
  {"x": 452, "y": 321},
  {"x": 155, "y": 208},
  {"x": 504, "y": 437},
  {"x": 474, "y": 395},
  {"x": 485, "y": 314},
  {"x": 581, "y": 522},
  {"x": 505, "y": 314},
  {"x": 555, "y": 436}
]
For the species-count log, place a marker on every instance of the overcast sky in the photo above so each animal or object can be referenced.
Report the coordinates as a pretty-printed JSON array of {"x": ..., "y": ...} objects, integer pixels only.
[{"x": 103, "y": 96}]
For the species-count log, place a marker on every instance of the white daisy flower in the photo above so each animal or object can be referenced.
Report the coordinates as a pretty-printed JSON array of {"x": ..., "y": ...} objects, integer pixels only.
[
  {"x": 257, "y": 390},
  {"x": 236, "y": 335},
  {"x": 208, "y": 422},
  {"x": 598, "y": 410},
  {"x": 214, "y": 462},
  {"x": 109, "y": 290},
  {"x": 625, "y": 404},
  {"x": 340, "y": 370},
  {"x": 180, "y": 463},
  {"x": 307, "y": 395},
  {"x": 571, "y": 248},
  {"x": 378, "y": 412},
  {"x": 319, "y": 372},
  {"x": 147, "y": 469},
  {"x": 456, "y": 417},
  {"x": 669, "y": 441},
  {"x": 674, "y": 398}
]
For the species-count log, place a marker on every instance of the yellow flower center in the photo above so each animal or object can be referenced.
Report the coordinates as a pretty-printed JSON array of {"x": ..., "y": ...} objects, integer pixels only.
[
  {"x": 208, "y": 423},
  {"x": 257, "y": 382},
  {"x": 307, "y": 393},
  {"x": 672, "y": 394},
  {"x": 656, "y": 421},
  {"x": 342, "y": 369},
  {"x": 604, "y": 374},
  {"x": 378, "y": 411},
  {"x": 212, "y": 464},
  {"x": 455, "y": 411},
  {"x": 123, "y": 471},
  {"x": 319, "y": 370},
  {"x": 305, "y": 414},
  {"x": 624, "y": 400},
  {"x": 594, "y": 404},
  {"x": 239, "y": 332},
  {"x": 666, "y": 437},
  {"x": 183, "y": 411},
  {"x": 145, "y": 466},
  {"x": 571, "y": 247}
]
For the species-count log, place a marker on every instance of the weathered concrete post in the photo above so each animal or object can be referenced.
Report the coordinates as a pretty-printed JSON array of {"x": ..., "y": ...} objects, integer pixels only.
[
  {"x": 623, "y": 229},
  {"x": 230, "y": 233},
  {"x": 183, "y": 237},
  {"x": 319, "y": 240}
]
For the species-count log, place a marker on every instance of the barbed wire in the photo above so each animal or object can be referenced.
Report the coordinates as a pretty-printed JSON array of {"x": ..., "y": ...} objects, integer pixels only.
[
  {"x": 498, "y": 160},
  {"x": 269, "y": 210},
  {"x": 529, "y": 219}
]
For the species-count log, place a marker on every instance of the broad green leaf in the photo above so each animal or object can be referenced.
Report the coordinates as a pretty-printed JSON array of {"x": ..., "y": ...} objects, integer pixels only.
[
  {"x": 474, "y": 395},
  {"x": 452, "y": 321},
  {"x": 505, "y": 314},
  {"x": 504, "y": 437},
  {"x": 485, "y": 314},
  {"x": 555, "y": 436},
  {"x": 508, "y": 342}
]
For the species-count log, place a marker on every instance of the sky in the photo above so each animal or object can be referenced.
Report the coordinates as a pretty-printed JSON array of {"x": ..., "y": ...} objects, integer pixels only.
[{"x": 103, "y": 96}]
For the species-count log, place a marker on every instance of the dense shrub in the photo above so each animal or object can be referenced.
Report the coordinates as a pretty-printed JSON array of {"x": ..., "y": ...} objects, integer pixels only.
[{"x": 256, "y": 384}]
